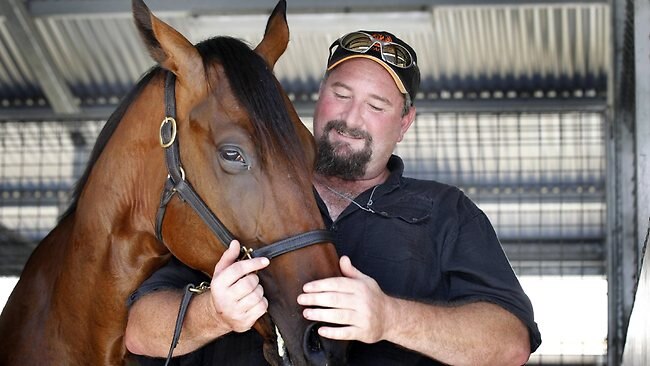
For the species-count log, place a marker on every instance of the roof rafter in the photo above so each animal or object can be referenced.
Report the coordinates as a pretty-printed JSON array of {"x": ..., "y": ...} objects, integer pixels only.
[
  {"x": 24, "y": 31},
  {"x": 202, "y": 7}
]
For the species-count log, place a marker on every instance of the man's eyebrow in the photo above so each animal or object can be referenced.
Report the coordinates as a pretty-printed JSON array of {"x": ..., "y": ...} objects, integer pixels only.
[
  {"x": 340, "y": 84},
  {"x": 381, "y": 99},
  {"x": 373, "y": 96}
]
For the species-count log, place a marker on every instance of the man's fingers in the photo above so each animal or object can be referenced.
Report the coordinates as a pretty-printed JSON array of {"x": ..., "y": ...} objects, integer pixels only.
[
  {"x": 251, "y": 299},
  {"x": 228, "y": 257},
  {"x": 339, "y": 333},
  {"x": 244, "y": 319},
  {"x": 334, "y": 284},
  {"x": 244, "y": 286},
  {"x": 229, "y": 271},
  {"x": 331, "y": 316},
  {"x": 327, "y": 299}
]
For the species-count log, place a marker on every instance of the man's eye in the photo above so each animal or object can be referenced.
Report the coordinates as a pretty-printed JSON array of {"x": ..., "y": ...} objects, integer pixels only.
[
  {"x": 341, "y": 96},
  {"x": 375, "y": 108}
]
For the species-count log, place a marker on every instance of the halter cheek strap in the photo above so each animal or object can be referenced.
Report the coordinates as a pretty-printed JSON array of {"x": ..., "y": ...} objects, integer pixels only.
[{"x": 176, "y": 182}]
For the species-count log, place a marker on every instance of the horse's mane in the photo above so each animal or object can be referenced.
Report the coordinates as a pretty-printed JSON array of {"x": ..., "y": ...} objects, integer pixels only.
[{"x": 246, "y": 72}]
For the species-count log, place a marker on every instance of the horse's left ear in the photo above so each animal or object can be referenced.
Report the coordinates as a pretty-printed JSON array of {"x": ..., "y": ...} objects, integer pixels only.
[
  {"x": 167, "y": 46},
  {"x": 276, "y": 35}
]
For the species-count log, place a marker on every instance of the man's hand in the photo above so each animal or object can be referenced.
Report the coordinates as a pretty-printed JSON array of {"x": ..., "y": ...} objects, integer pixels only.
[
  {"x": 355, "y": 302},
  {"x": 475, "y": 333},
  {"x": 237, "y": 296}
]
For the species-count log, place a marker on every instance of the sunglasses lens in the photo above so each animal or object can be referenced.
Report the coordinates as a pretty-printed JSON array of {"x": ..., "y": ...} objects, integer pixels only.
[
  {"x": 357, "y": 42},
  {"x": 392, "y": 53},
  {"x": 396, "y": 55}
]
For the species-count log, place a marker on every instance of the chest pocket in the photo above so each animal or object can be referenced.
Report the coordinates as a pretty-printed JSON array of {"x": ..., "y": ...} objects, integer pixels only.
[
  {"x": 398, "y": 248},
  {"x": 411, "y": 210}
]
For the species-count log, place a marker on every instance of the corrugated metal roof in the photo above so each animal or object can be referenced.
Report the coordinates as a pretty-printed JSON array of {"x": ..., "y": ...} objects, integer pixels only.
[{"x": 465, "y": 52}]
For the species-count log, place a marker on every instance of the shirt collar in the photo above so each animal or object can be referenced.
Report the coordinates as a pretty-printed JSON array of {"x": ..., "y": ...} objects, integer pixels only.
[{"x": 396, "y": 168}]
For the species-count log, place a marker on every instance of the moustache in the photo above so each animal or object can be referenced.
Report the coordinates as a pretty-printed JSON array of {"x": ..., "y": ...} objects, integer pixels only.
[{"x": 341, "y": 126}]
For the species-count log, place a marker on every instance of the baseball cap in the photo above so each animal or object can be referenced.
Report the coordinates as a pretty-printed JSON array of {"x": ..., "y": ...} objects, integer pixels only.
[{"x": 395, "y": 55}]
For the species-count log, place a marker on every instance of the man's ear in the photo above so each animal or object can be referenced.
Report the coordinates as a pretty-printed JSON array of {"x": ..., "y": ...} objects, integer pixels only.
[{"x": 406, "y": 122}]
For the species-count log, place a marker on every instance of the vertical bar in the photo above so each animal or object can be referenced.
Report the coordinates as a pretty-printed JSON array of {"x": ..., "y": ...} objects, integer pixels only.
[{"x": 621, "y": 181}]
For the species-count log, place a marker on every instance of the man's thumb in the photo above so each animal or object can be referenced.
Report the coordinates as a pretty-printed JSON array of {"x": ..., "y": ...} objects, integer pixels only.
[
  {"x": 228, "y": 257},
  {"x": 348, "y": 269}
]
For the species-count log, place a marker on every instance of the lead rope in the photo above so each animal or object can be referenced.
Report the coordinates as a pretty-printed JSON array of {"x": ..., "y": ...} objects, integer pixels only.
[{"x": 188, "y": 293}]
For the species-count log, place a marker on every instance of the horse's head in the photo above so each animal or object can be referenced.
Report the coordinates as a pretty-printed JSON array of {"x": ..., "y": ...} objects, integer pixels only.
[{"x": 249, "y": 157}]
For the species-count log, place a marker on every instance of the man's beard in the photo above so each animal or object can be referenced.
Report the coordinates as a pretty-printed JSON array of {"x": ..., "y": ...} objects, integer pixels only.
[{"x": 347, "y": 164}]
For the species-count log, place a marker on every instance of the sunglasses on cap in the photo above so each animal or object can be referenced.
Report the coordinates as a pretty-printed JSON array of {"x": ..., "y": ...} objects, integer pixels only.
[{"x": 360, "y": 42}]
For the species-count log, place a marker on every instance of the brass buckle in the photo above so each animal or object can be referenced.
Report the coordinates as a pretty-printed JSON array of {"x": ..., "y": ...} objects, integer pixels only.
[
  {"x": 246, "y": 252},
  {"x": 201, "y": 288},
  {"x": 173, "y": 138}
]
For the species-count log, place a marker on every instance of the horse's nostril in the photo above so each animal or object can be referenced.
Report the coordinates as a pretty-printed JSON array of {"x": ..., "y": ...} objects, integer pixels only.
[
  {"x": 313, "y": 347},
  {"x": 312, "y": 339},
  {"x": 322, "y": 351},
  {"x": 314, "y": 342}
]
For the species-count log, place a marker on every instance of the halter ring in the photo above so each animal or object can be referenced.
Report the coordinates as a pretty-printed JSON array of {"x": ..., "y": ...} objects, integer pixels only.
[{"x": 173, "y": 132}]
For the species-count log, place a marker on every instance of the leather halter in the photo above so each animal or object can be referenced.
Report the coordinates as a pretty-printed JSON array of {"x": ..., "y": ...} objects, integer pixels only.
[{"x": 176, "y": 183}]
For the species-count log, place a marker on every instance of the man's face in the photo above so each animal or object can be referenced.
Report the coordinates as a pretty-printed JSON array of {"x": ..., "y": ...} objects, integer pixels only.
[{"x": 358, "y": 120}]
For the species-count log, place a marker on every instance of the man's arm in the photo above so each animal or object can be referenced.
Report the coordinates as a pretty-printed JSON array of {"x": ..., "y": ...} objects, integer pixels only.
[
  {"x": 152, "y": 319},
  {"x": 234, "y": 303},
  {"x": 471, "y": 334}
]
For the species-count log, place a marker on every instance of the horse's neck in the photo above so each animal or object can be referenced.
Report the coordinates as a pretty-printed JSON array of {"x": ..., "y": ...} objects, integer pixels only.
[
  {"x": 79, "y": 275},
  {"x": 90, "y": 263},
  {"x": 113, "y": 234}
]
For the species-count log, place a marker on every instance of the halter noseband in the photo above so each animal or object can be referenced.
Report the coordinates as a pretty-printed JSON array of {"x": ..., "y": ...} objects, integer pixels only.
[{"x": 176, "y": 183}]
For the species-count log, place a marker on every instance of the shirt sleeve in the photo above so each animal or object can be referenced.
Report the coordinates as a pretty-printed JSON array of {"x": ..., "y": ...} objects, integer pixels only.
[
  {"x": 477, "y": 269},
  {"x": 174, "y": 275}
]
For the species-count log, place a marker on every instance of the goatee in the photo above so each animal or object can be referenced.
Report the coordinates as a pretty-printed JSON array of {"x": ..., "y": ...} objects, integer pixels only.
[{"x": 337, "y": 159}]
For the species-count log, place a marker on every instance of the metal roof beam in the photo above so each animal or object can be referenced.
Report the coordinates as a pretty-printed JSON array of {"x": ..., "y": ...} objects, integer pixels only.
[
  {"x": 43, "y": 114},
  {"x": 203, "y": 7},
  {"x": 23, "y": 30},
  {"x": 306, "y": 108}
]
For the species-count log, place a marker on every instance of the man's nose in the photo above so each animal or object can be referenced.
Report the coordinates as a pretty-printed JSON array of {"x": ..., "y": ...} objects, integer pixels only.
[{"x": 352, "y": 115}]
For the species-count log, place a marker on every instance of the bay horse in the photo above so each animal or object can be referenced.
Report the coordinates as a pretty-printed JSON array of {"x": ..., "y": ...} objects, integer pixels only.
[{"x": 248, "y": 157}]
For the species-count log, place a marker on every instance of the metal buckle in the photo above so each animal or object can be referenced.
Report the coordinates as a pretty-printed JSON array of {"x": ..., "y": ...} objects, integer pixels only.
[
  {"x": 201, "y": 288},
  {"x": 173, "y": 131},
  {"x": 246, "y": 252}
]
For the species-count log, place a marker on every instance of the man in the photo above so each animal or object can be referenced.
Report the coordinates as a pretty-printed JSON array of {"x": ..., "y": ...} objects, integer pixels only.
[{"x": 424, "y": 275}]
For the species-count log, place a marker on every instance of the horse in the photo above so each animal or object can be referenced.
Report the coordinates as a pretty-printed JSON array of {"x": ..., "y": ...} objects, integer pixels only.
[{"x": 248, "y": 157}]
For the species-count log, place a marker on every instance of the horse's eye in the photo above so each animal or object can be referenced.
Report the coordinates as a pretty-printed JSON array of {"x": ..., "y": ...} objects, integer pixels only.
[
  {"x": 232, "y": 155},
  {"x": 233, "y": 159}
]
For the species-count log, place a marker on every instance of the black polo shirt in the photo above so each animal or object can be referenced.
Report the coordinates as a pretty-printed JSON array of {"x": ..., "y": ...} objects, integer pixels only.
[{"x": 420, "y": 240}]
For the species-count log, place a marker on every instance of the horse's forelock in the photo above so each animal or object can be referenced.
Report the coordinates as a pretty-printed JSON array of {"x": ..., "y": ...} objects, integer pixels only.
[{"x": 256, "y": 88}]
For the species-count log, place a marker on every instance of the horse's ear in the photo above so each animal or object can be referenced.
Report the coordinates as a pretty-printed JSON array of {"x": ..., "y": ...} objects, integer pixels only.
[
  {"x": 166, "y": 45},
  {"x": 276, "y": 35}
]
